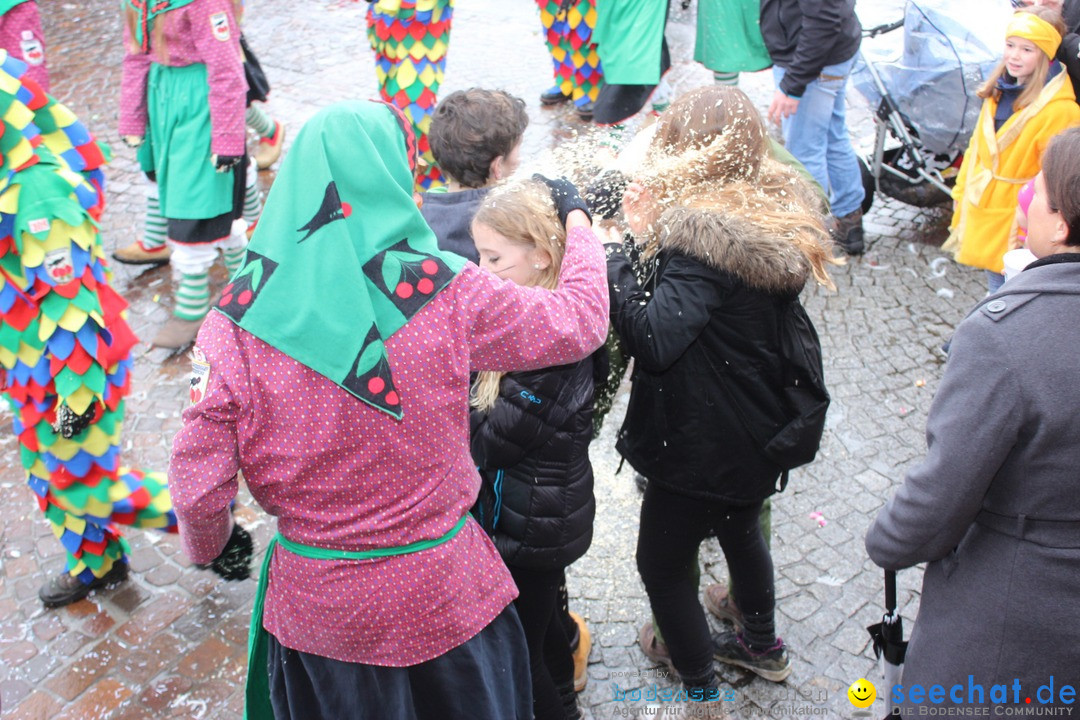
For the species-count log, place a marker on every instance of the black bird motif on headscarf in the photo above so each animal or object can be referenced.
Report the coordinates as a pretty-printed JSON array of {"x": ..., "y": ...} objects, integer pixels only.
[{"x": 330, "y": 210}]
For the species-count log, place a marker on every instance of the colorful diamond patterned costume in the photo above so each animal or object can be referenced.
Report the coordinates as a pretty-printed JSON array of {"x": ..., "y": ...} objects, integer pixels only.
[
  {"x": 65, "y": 347},
  {"x": 568, "y": 26},
  {"x": 410, "y": 39}
]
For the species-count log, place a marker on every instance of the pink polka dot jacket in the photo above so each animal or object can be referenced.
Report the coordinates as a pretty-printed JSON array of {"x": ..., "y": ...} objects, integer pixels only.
[
  {"x": 204, "y": 31},
  {"x": 337, "y": 473}
]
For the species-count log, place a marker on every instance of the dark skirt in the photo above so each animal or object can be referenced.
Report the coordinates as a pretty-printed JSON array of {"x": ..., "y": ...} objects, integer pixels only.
[
  {"x": 486, "y": 678},
  {"x": 616, "y": 103}
]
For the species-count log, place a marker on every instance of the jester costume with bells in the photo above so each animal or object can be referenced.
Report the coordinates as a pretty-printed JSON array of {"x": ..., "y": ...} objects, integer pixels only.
[
  {"x": 568, "y": 27},
  {"x": 65, "y": 347},
  {"x": 410, "y": 39}
]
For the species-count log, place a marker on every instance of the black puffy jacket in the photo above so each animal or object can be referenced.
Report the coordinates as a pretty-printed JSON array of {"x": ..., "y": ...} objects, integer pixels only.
[
  {"x": 712, "y": 311},
  {"x": 803, "y": 36},
  {"x": 532, "y": 448}
]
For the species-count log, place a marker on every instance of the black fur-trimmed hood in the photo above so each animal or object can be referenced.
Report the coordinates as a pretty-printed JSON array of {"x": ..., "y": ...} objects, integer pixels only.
[{"x": 733, "y": 243}]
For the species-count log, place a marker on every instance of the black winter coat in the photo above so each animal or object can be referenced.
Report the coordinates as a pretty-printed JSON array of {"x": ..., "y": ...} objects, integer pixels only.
[
  {"x": 803, "y": 36},
  {"x": 712, "y": 312},
  {"x": 532, "y": 449}
]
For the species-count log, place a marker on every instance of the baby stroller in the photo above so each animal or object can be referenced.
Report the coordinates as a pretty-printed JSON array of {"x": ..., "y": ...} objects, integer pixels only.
[{"x": 923, "y": 91}]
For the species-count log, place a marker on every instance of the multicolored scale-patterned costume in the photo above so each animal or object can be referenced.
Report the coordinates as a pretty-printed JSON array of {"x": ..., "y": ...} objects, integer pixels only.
[
  {"x": 65, "y": 347},
  {"x": 410, "y": 39},
  {"x": 568, "y": 26}
]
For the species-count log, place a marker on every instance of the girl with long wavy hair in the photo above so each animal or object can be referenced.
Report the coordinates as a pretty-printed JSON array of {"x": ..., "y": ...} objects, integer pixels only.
[{"x": 735, "y": 236}]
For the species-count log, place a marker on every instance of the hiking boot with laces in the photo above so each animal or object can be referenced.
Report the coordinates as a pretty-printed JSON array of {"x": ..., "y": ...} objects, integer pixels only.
[
  {"x": 772, "y": 664},
  {"x": 655, "y": 650},
  {"x": 65, "y": 589},
  {"x": 719, "y": 602}
]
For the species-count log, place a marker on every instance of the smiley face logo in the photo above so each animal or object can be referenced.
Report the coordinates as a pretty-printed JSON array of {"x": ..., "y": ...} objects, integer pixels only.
[{"x": 862, "y": 693}]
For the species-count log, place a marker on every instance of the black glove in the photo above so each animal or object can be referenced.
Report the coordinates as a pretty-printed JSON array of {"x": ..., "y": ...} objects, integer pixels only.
[
  {"x": 565, "y": 197},
  {"x": 234, "y": 562},
  {"x": 604, "y": 195},
  {"x": 69, "y": 423},
  {"x": 225, "y": 163}
]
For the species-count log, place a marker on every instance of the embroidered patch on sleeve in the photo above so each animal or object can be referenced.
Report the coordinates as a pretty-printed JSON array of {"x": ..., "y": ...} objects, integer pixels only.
[
  {"x": 32, "y": 51},
  {"x": 200, "y": 374},
  {"x": 59, "y": 266},
  {"x": 219, "y": 23}
]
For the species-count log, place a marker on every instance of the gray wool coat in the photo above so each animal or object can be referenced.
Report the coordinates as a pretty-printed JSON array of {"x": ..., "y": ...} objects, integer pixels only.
[{"x": 994, "y": 509}]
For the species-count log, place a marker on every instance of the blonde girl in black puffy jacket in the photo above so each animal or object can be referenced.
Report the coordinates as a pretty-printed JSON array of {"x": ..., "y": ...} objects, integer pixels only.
[{"x": 530, "y": 440}]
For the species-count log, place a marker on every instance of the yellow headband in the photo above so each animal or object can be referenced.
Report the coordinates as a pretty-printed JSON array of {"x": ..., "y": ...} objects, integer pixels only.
[{"x": 1032, "y": 27}]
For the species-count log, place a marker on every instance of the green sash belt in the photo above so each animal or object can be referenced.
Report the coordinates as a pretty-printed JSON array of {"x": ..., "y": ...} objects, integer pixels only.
[{"x": 257, "y": 692}]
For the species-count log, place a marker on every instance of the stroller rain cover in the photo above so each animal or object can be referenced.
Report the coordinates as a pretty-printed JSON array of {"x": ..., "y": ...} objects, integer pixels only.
[{"x": 949, "y": 49}]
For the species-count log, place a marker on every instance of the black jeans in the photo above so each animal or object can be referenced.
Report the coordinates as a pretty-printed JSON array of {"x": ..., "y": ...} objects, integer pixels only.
[
  {"x": 550, "y": 661},
  {"x": 672, "y": 528}
]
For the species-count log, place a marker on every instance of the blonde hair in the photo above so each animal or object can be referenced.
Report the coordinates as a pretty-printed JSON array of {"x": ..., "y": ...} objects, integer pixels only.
[
  {"x": 710, "y": 152},
  {"x": 1037, "y": 80},
  {"x": 522, "y": 212}
]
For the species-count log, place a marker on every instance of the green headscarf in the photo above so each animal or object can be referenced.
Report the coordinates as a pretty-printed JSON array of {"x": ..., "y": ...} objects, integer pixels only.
[
  {"x": 341, "y": 257},
  {"x": 6, "y": 5}
]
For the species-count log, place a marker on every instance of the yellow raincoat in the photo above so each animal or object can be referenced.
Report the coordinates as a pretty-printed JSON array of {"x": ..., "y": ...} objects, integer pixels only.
[{"x": 996, "y": 166}]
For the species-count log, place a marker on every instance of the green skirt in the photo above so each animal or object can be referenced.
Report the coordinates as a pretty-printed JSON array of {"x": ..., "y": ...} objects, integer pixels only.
[
  {"x": 729, "y": 36},
  {"x": 177, "y": 145},
  {"x": 628, "y": 37}
]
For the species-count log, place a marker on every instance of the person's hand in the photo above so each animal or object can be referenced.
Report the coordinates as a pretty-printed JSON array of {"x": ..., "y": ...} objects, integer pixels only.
[
  {"x": 69, "y": 423},
  {"x": 225, "y": 163},
  {"x": 640, "y": 208},
  {"x": 565, "y": 196},
  {"x": 604, "y": 194},
  {"x": 782, "y": 107},
  {"x": 234, "y": 562},
  {"x": 608, "y": 233},
  {"x": 133, "y": 141}
]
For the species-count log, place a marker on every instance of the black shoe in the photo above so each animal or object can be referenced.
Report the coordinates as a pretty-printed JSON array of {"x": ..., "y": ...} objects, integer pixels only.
[
  {"x": 848, "y": 233},
  {"x": 772, "y": 664},
  {"x": 64, "y": 589},
  {"x": 553, "y": 96},
  {"x": 585, "y": 111}
]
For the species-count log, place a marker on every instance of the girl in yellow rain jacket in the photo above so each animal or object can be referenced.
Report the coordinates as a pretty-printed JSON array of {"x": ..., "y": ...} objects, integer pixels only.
[{"x": 1028, "y": 100}]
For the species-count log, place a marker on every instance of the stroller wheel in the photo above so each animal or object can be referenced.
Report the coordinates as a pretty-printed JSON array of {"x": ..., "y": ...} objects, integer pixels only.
[{"x": 869, "y": 186}]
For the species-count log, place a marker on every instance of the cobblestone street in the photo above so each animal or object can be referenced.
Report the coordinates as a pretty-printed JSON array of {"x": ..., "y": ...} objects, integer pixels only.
[{"x": 172, "y": 641}]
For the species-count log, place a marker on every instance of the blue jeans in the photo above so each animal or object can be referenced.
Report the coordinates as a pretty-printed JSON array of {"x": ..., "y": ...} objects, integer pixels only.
[{"x": 817, "y": 136}]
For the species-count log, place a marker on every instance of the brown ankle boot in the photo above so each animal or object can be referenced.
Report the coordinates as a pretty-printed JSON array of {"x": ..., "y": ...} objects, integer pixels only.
[
  {"x": 137, "y": 254},
  {"x": 177, "y": 333},
  {"x": 64, "y": 589}
]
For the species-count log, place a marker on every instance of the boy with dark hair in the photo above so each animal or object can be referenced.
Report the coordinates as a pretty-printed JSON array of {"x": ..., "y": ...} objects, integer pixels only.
[{"x": 475, "y": 137}]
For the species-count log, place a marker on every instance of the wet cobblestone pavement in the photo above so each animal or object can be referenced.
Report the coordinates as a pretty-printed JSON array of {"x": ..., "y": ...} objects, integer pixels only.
[{"x": 171, "y": 642}]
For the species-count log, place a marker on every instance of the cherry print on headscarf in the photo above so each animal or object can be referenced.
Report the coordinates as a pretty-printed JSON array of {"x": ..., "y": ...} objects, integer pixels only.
[
  {"x": 243, "y": 289},
  {"x": 330, "y": 209},
  {"x": 407, "y": 277},
  {"x": 369, "y": 379}
]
